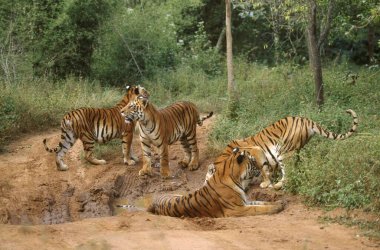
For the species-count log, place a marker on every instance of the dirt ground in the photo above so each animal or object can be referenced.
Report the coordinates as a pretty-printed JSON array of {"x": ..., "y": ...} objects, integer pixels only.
[{"x": 42, "y": 208}]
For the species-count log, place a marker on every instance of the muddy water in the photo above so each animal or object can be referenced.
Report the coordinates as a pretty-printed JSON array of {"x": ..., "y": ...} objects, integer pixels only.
[{"x": 122, "y": 204}]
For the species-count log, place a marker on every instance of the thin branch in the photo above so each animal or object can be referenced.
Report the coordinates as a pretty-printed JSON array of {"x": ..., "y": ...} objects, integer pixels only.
[
  {"x": 130, "y": 51},
  {"x": 326, "y": 30}
]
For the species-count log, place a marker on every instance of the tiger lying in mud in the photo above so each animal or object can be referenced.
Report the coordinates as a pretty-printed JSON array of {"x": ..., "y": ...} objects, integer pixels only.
[{"x": 222, "y": 195}]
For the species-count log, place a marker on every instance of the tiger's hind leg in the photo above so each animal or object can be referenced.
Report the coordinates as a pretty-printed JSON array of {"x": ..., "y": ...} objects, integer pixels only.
[
  {"x": 88, "y": 146},
  {"x": 67, "y": 141}
]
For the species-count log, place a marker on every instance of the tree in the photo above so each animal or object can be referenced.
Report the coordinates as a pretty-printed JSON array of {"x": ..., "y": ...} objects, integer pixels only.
[
  {"x": 68, "y": 41},
  {"x": 232, "y": 95},
  {"x": 314, "y": 45}
]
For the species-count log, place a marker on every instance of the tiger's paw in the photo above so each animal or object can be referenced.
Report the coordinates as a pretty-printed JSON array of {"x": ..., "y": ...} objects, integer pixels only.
[
  {"x": 130, "y": 161},
  {"x": 101, "y": 162},
  {"x": 193, "y": 166},
  {"x": 96, "y": 161},
  {"x": 266, "y": 184},
  {"x": 62, "y": 167},
  {"x": 165, "y": 174},
  {"x": 278, "y": 185},
  {"x": 183, "y": 164},
  {"x": 143, "y": 172}
]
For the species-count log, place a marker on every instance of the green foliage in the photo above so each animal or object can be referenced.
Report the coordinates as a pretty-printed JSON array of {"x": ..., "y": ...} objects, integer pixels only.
[
  {"x": 139, "y": 41},
  {"x": 330, "y": 173},
  {"x": 67, "y": 44},
  {"x": 200, "y": 55},
  {"x": 369, "y": 227}
]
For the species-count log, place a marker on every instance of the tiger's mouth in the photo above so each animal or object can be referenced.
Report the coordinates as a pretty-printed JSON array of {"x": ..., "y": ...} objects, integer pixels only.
[{"x": 128, "y": 119}]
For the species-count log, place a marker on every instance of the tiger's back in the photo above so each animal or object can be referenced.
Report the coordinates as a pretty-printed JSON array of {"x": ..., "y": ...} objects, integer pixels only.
[
  {"x": 177, "y": 120},
  {"x": 100, "y": 125},
  {"x": 282, "y": 138}
]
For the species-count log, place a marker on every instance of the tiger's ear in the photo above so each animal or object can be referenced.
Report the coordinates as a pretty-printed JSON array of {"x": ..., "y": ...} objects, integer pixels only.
[
  {"x": 235, "y": 150},
  {"x": 143, "y": 91},
  {"x": 127, "y": 87}
]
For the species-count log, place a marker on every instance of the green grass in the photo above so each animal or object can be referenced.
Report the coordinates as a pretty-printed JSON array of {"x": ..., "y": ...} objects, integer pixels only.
[{"x": 368, "y": 228}]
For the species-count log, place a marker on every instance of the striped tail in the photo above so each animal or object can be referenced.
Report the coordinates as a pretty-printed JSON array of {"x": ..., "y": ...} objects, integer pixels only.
[
  {"x": 51, "y": 150},
  {"x": 200, "y": 121},
  {"x": 334, "y": 136}
]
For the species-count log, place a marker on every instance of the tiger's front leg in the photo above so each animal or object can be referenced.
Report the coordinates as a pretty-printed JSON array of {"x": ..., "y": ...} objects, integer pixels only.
[
  {"x": 279, "y": 184},
  {"x": 265, "y": 174},
  {"x": 164, "y": 161},
  {"x": 88, "y": 147},
  {"x": 147, "y": 153},
  {"x": 194, "y": 162},
  {"x": 129, "y": 159},
  {"x": 256, "y": 208}
]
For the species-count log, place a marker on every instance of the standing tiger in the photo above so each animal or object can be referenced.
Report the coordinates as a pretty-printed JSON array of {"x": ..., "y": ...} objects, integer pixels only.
[
  {"x": 163, "y": 127},
  {"x": 222, "y": 195},
  {"x": 92, "y": 125},
  {"x": 278, "y": 141}
]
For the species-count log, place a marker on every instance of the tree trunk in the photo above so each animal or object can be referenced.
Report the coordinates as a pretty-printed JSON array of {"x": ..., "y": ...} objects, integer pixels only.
[
  {"x": 314, "y": 53},
  {"x": 230, "y": 70},
  {"x": 371, "y": 44}
]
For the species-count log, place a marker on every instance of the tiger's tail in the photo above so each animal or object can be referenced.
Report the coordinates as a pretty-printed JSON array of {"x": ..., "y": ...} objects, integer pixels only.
[
  {"x": 331, "y": 135},
  {"x": 67, "y": 137},
  {"x": 201, "y": 119},
  {"x": 51, "y": 150}
]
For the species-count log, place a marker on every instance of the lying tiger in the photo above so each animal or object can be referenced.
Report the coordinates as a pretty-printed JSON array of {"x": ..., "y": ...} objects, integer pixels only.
[
  {"x": 222, "y": 195},
  {"x": 92, "y": 125},
  {"x": 278, "y": 141},
  {"x": 163, "y": 127}
]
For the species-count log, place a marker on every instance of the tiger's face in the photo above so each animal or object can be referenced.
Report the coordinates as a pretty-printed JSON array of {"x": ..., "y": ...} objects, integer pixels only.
[
  {"x": 134, "y": 111},
  {"x": 132, "y": 92},
  {"x": 241, "y": 166}
]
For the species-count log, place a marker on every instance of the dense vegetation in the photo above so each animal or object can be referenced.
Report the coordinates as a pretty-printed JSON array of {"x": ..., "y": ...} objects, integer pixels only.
[{"x": 60, "y": 55}]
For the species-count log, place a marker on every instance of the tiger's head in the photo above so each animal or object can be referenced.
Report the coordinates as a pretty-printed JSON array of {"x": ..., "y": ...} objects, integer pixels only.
[
  {"x": 134, "y": 110},
  {"x": 134, "y": 91},
  {"x": 240, "y": 166}
]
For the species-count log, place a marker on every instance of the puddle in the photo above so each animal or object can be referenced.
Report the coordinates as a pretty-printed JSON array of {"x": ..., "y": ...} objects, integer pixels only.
[{"x": 139, "y": 204}]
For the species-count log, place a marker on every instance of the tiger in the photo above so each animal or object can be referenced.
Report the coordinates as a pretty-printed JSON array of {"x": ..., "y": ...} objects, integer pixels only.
[
  {"x": 222, "y": 195},
  {"x": 278, "y": 141},
  {"x": 101, "y": 125},
  {"x": 163, "y": 127}
]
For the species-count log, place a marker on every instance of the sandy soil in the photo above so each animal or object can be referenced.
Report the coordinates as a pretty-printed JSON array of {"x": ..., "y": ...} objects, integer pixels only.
[{"x": 42, "y": 208}]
